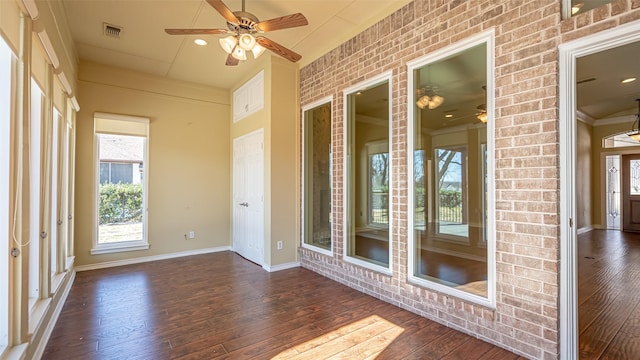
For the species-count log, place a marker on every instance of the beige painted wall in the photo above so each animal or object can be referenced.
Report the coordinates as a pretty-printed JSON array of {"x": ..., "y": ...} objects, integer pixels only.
[
  {"x": 189, "y": 161},
  {"x": 584, "y": 168},
  {"x": 280, "y": 120}
]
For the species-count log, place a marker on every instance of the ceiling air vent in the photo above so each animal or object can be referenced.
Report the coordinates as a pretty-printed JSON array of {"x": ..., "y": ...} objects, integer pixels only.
[{"x": 111, "y": 30}]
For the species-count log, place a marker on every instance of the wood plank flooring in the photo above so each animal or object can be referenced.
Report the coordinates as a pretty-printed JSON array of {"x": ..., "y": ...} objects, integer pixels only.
[
  {"x": 609, "y": 295},
  {"x": 224, "y": 307}
]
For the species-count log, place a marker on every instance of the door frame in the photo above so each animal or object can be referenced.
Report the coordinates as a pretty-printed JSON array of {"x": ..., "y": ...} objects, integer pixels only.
[{"x": 568, "y": 53}]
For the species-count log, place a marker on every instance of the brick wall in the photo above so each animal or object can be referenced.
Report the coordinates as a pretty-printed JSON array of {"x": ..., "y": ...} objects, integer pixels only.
[{"x": 527, "y": 35}]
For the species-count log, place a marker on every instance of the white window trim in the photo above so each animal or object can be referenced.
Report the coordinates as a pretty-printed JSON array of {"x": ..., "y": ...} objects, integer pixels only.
[
  {"x": 122, "y": 246},
  {"x": 305, "y": 245},
  {"x": 376, "y": 80},
  {"x": 7, "y": 59},
  {"x": 486, "y": 37}
]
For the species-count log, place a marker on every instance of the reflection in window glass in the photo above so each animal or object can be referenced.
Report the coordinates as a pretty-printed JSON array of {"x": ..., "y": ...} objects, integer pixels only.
[
  {"x": 368, "y": 175},
  {"x": 379, "y": 189},
  {"x": 450, "y": 171},
  {"x": 317, "y": 176},
  {"x": 581, "y": 6},
  {"x": 451, "y": 210}
]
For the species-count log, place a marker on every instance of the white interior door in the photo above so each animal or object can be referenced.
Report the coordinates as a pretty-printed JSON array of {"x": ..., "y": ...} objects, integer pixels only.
[{"x": 248, "y": 196}]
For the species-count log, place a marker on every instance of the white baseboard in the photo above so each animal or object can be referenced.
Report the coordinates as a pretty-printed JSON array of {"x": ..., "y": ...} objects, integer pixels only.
[
  {"x": 143, "y": 259},
  {"x": 281, "y": 266},
  {"x": 48, "y": 330},
  {"x": 585, "y": 229}
]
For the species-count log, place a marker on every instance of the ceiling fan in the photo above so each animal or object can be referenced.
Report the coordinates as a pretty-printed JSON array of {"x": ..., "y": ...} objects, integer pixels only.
[{"x": 242, "y": 29}]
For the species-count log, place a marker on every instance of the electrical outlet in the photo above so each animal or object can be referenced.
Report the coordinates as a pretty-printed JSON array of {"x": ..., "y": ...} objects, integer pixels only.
[
  {"x": 192, "y": 234},
  {"x": 279, "y": 245}
]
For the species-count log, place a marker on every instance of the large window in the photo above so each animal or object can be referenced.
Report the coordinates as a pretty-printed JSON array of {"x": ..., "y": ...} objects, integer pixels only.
[
  {"x": 121, "y": 159},
  {"x": 35, "y": 136},
  {"x": 55, "y": 191},
  {"x": 368, "y": 169},
  {"x": 6, "y": 59},
  {"x": 317, "y": 176},
  {"x": 452, "y": 239}
]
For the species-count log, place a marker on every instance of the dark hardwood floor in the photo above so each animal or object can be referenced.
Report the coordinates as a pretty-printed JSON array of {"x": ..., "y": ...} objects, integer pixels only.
[
  {"x": 609, "y": 295},
  {"x": 222, "y": 306}
]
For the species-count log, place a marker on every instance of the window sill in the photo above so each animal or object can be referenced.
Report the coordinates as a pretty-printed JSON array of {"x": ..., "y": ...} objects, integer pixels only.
[
  {"x": 17, "y": 352},
  {"x": 318, "y": 249},
  {"x": 487, "y": 302},
  {"x": 56, "y": 281},
  {"x": 371, "y": 266},
  {"x": 119, "y": 247},
  {"x": 37, "y": 314},
  {"x": 69, "y": 263}
]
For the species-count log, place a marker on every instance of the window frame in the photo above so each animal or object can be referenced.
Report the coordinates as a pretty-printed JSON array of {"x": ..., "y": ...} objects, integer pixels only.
[
  {"x": 486, "y": 37},
  {"x": 387, "y": 77},
  {"x": 7, "y": 61},
  {"x": 305, "y": 245},
  {"x": 121, "y": 125}
]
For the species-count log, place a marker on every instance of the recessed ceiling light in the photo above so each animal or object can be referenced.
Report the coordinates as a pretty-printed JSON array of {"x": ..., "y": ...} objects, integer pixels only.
[
  {"x": 448, "y": 115},
  {"x": 200, "y": 42},
  {"x": 628, "y": 80}
]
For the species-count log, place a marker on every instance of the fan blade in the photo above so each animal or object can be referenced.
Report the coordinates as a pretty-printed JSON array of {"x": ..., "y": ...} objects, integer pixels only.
[
  {"x": 283, "y": 22},
  {"x": 224, "y": 11},
  {"x": 231, "y": 61},
  {"x": 278, "y": 49},
  {"x": 195, "y": 31}
]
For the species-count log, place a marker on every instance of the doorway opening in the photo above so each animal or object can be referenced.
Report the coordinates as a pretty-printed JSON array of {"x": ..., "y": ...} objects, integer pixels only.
[{"x": 575, "y": 100}]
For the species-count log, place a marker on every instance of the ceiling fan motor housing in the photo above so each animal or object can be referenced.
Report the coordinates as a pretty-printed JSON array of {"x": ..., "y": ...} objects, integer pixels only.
[{"x": 247, "y": 22}]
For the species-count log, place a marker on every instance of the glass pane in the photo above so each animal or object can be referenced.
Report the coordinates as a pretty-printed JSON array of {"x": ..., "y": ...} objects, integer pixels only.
[
  {"x": 450, "y": 171},
  {"x": 104, "y": 173},
  {"x": 53, "y": 238},
  {"x": 368, "y": 174},
  {"x": 34, "y": 204},
  {"x": 317, "y": 179},
  {"x": 613, "y": 192},
  {"x": 120, "y": 205},
  {"x": 634, "y": 175},
  {"x": 122, "y": 173}
]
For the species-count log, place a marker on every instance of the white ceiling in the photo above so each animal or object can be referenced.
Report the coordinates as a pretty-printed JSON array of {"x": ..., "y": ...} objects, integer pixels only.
[{"x": 145, "y": 47}]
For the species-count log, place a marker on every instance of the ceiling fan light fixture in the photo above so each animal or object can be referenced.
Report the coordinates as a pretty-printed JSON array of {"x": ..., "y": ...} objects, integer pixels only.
[
  {"x": 257, "y": 51},
  {"x": 576, "y": 8},
  {"x": 430, "y": 100},
  {"x": 239, "y": 53},
  {"x": 246, "y": 42},
  {"x": 228, "y": 44},
  {"x": 634, "y": 133}
]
